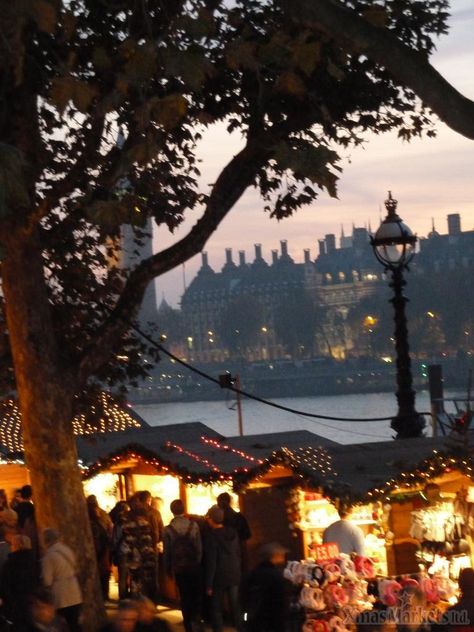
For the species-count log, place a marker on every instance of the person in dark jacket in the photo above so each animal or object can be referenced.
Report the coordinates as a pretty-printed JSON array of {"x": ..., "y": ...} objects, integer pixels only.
[
  {"x": 20, "y": 579},
  {"x": 222, "y": 568},
  {"x": 119, "y": 557},
  {"x": 138, "y": 548},
  {"x": 182, "y": 557},
  {"x": 265, "y": 593},
  {"x": 234, "y": 518},
  {"x": 460, "y": 616}
]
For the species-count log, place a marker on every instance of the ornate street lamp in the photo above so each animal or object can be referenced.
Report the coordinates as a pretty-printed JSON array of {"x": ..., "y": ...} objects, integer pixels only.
[{"x": 394, "y": 247}]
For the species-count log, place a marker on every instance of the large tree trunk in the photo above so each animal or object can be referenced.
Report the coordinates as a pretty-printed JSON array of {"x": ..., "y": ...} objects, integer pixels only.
[{"x": 45, "y": 390}]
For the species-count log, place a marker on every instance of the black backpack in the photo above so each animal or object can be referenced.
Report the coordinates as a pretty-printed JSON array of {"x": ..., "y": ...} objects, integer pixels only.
[{"x": 184, "y": 554}]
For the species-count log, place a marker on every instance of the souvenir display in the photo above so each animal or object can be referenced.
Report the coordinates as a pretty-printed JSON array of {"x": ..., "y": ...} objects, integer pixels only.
[
  {"x": 442, "y": 528},
  {"x": 311, "y": 513},
  {"x": 335, "y": 592}
]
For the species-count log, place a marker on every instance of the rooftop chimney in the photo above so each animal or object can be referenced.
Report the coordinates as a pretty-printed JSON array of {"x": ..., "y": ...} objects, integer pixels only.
[
  {"x": 307, "y": 255},
  {"x": 258, "y": 252},
  {"x": 204, "y": 261},
  {"x": 242, "y": 257},
  {"x": 454, "y": 224},
  {"x": 284, "y": 248},
  {"x": 322, "y": 246},
  {"x": 228, "y": 256},
  {"x": 274, "y": 256},
  {"x": 330, "y": 243}
]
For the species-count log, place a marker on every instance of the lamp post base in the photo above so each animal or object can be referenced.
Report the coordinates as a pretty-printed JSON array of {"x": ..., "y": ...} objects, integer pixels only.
[{"x": 408, "y": 426}]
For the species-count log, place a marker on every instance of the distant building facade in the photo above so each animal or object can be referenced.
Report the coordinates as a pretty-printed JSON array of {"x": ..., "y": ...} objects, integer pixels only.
[
  {"x": 209, "y": 295},
  {"x": 336, "y": 281},
  {"x": 446, "y": 252}
]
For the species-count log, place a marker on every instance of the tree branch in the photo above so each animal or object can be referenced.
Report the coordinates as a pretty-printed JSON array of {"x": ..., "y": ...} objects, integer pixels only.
[
  {"x": 230, "y": 185},
  {"x": 407, "y": 66}
]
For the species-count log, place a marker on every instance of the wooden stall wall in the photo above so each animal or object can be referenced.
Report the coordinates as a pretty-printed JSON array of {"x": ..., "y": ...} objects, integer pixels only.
[
  {"x": 12, "y": 477},
  {"x": 265, "y": 510}
]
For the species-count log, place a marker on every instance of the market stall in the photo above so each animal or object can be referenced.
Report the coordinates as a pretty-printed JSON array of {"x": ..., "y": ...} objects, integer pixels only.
[
  {"x": 316, "y": 513},
  {"x": 431, "y": 517}
]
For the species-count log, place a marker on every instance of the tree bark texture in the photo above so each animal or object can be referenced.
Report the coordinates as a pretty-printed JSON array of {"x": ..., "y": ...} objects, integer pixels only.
[{"x": 45, "y": 396}]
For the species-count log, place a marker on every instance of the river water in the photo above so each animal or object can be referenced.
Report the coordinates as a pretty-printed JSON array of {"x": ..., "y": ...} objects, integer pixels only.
[{"x": 260, "y": 418}]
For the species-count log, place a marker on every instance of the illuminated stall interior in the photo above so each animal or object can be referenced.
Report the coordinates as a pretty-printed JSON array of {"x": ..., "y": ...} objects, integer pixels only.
[
  {"x": 431, "y": 518},
  {"x": 316, "y": 513},
  {"x": 187, "y": 461}
]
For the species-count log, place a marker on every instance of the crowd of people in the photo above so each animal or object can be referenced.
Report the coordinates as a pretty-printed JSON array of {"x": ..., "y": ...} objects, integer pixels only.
[{"x": 203, "y": 555}]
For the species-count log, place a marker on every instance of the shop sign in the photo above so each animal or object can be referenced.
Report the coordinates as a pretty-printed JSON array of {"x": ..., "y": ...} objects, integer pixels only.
[{"x": 325, "y": 552}]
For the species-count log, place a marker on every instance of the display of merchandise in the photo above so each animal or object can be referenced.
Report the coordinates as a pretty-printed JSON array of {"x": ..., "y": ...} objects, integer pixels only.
[
  {"x": 334, "y": 593},
  {"x": 441, "y": 533},
  {"x": 312, "y": 513}
]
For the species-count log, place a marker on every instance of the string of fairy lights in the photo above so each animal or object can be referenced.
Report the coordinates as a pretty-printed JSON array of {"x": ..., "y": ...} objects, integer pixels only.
[
  {"x": 113, "y": 418},
  {"x": 201, "y": 460},
  {"x": 215, "y": 444}
]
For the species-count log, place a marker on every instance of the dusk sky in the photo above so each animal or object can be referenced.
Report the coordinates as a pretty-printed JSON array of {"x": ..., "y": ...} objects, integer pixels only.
[{"x": 429, "y": 177}]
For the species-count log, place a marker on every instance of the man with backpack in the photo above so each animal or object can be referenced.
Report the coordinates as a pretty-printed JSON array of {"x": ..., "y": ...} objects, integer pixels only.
[{"x": 182, "y": 553}]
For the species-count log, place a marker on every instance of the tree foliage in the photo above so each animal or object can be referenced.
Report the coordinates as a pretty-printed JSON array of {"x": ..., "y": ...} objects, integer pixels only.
[{"x": 162, "y": 72}]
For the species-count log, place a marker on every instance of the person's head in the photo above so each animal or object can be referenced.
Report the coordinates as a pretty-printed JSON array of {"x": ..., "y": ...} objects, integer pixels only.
[
  {"x": 20, "y": 542},
  {"x": 224, "y": 500},
  {"x": 121, "y": 508},
  {"x": 274, "y": 553},
  {"x": 126, "y": 617},
  {"x": 133, "y": 502},
  {"x": 42, "y": 608},
  {"x": 177, "y": 507},
  {"x": 215, "y": 516},
  {"x": 26, "y": 492},
  {"x": 146, "y": 610},
  {"x": 344, "y": 512},
  {"x": 466, "y": 581},
  {"x": 157, "y": 503},
  {"x": 50, "y": 537},
  {"x": 144, "y": 498},
  {"x": 92, "y": 501}
]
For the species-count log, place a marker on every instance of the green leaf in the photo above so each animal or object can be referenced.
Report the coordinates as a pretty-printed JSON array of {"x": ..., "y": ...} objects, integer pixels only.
[
  {"x": 377, "y": 16},
  {"x": 169, "y": 111},
  {"x": 241, "y": 54},
  {"x": 190, "y": 66},
  {"x": 306, "y": 56},
  {"x": 289, "y": 83},
  {"x": 65, "y": 89},
  {"x": 312, "y": 163}
]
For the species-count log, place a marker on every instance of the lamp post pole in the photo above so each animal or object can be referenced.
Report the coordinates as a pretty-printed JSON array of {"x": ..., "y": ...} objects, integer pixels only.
[
  {"x": 393, "y": 245},
  {"x": 408, "y": 423}
]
